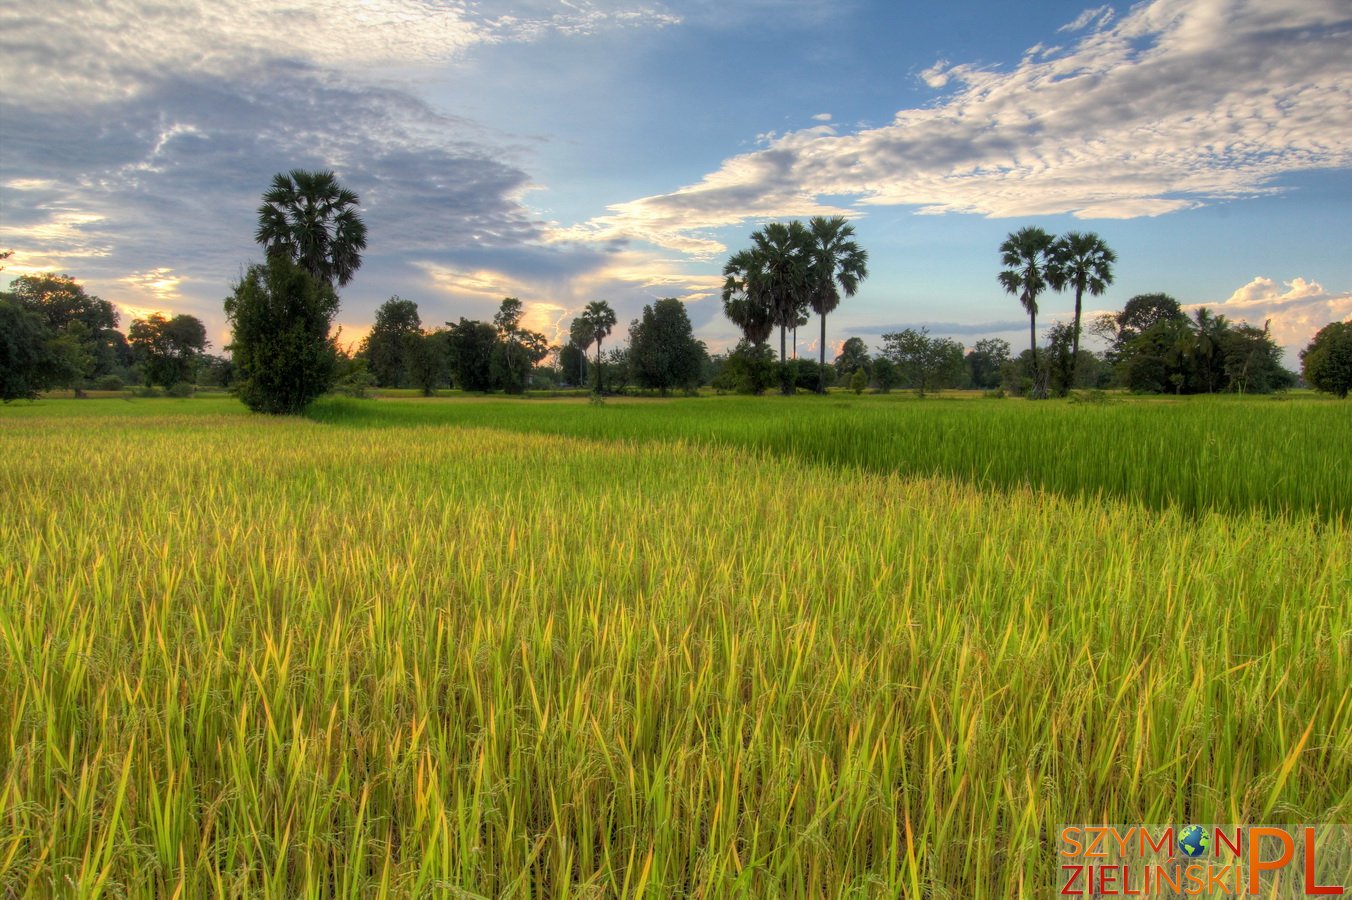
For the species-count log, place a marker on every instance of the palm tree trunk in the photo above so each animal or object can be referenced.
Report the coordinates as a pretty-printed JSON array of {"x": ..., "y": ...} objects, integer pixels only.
[
  {"x": 598, "y": 366},
  {"x": 1032, "y": 342},
  {"x": 821, "y": 366},
  {"x": 1075, "y": 341}
]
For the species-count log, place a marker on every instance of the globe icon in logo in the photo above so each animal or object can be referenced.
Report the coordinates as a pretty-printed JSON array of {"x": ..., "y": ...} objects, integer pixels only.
[{"x": 1194, "y": 841}]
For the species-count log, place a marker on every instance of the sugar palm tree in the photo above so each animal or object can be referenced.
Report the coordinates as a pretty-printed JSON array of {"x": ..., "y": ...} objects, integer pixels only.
[
  {"x": 1085, "y": 263},
  {"x": 746, "y": 302},
  {"x": 310, "y": 218},
  {"x": 838, "y": 265},
  {"x": 1027, "y": 255},
  {"x": 598, "y": 319},
  {"x": 784, "y": 253}
]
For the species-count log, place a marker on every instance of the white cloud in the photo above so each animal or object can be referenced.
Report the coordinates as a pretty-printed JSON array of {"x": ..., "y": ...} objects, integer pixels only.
[
  {"x": 1180, "y": 103},
  {"x": 108, "y": 49}
]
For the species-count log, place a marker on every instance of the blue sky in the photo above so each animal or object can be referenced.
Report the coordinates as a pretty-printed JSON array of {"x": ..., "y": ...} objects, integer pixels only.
[{"x": 564, "y": 152}]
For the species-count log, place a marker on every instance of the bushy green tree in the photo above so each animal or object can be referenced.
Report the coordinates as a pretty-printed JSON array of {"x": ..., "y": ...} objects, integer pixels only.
[
  {"x": 280, "y": 317},
  {"x": 83, "y": 327},
  {"x": 852, "y": 358},
  {"x": 1252, "y": 361},
  {"x": 886, "y": 375},
  {"x": 168, "y": 349},
  {"x": 924, "y": 363},
  {"x": 662, "y": 348},
  {"x": 26, "y": 364},
  {"x": 985, "y": 361},
  {"x": 427, "y": 359},
  {"x": 393, "y": 339},
  {"x": 470, "y": 349},
  {"x": 1327, "y": 362}
]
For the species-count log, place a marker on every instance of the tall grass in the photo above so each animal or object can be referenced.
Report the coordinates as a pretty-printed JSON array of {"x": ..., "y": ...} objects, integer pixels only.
[
  {"x": 243, "y": 656},
  {"x": 1203, "y": 453}
]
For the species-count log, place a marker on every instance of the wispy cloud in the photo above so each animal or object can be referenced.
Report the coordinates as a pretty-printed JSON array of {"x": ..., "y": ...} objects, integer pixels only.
[{"x": 1178, "y": 104}]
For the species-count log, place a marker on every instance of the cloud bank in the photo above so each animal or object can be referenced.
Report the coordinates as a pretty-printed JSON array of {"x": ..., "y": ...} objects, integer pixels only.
[{"x": 1178, "y": 104}]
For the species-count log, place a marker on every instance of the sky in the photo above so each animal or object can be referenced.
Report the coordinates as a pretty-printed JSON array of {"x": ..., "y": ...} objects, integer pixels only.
[{"x": 564, "y": 151}]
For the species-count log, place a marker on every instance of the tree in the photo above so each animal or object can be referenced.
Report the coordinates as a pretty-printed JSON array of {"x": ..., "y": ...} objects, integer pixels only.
[
  {"x": 426, "y": 359},
  {"x": 280, "y": 316},
  {"x": 310, "y": 218},
  {"x": 1083, "y": 262},
  {"x": 1252, "y": 360},
  {"x": 885, "y": 373},
  {"x": 785, "y": 259},
  {"x": 746, "y": 300},
  {"x": 1205, "y": 347},
  {"x": 663, "y": 351},
  {"x": 471, "y": 345},
  {"x": 84, "y": 327},
  {"x": 518, "y": 349},
  {"x": 168, "y": 349},
  {"x": 1327, "y": 362},
  {"x": 838, "y": 265},
  {"x": 573, "y": 364},
  {"x": 985, "y": 361},
  {"x": 1027, "y": 255},
  {"x": 853, "y": 357},
  {"x": 26, "y": 363},
  {"x": 923, "y": 362},
  {"x": 392, "y": 342},
  {"x": 596, "y": 322}
]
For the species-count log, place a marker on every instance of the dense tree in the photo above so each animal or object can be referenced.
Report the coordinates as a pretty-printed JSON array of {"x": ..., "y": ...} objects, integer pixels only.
[
  {"x": 748, "y": 369},
  {"x": 785, "y": 255},
  {"x": 471, "y": 344},
  {"x": 746, "y": 299},
  {"x": 280, "y": 316},
  {"x": 573, "y": 364},
  {"x": 168, "y": 349},
  {"x": 985, "y": 360},
  {"x": 838, "y": 264},
  {"x": 26, "y": 362},
  {"x": 1027, "y": 256},
  {"x": 1252, "y": 360},
  {"x": 663, "y": 352},
  {"x": 1327, "y": 362},
  {"x": 83, "y": 325},
  {"x": 853, "y": 356},
  {"x": 1082, "y": 262},
  {"x": 886, "y": 375},
  {"x": 393, "y": 340},
  {"x": 924, "y": 363},
  {"x": 596, "y": 320},
  {"x": 310, "y": 218},
  {"x": 427, "y": 359},
  {"x": 1068, "y": 368}
]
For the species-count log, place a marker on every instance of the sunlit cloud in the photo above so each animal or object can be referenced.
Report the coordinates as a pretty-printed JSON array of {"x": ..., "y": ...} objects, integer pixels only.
[
  {"x": 1178, "y": 104},
  {"x": 1294, "y": 310}
]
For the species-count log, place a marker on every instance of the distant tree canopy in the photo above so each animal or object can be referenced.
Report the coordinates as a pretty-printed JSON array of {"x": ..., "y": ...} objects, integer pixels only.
[
  {"x": 392, "y": 342},
  {"x": 925, "y": 363},
  {"x": 1327, "y": 361},
  {"x": 518, "y": 348},
  {"x": 168, "y": 349},
  {"x": 58, "y": 336},
  {"x": 664, "y": 354}
]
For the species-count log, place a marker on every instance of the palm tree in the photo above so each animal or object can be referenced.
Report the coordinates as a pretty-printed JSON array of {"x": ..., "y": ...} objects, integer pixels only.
[
  {"x": 746, "y": 302},
  {"x": 598, "y": 319},
  {"x": 784, "y": 253},
  {"x": 1205, "y": 343},
  {"x": 310, "y": 218},
  {"x": 1027, "y": 253},
  {"x": 1084, "y": 262},
  {"x": 838, "y": 264}
]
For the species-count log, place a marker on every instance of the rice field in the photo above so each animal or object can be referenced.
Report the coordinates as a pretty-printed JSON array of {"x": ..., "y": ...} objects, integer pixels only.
[{"x": 714, "y": 647}]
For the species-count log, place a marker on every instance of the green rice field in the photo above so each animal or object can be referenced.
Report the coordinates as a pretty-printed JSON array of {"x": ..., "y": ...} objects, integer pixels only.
[{"x": 702, "y": 647}]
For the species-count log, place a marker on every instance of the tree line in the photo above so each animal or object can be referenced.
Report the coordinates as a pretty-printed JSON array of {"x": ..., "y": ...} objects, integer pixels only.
[{"x": 283, "y": 355}]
